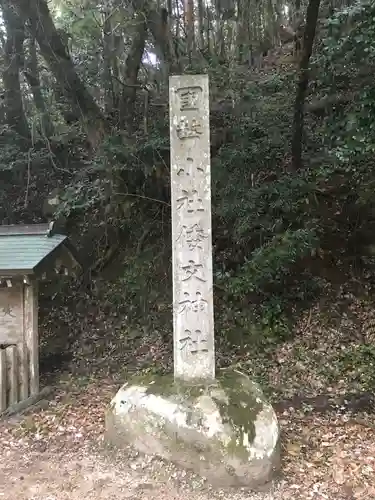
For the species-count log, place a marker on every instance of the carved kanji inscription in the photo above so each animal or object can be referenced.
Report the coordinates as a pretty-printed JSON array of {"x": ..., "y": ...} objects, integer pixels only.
[
  {"x": 188, "y": 128},
  {"x": 11, "y": 315},
  {"x": 193, "y": 321},
  {"x": 192, "y": 270},
  {"x": 195, "y": 305},
  {"x": 190, "y": 98},
  {"x": 7, "y": 310},
  {"x": 193, "y": 236},
  {"x": 194, "y": 341},
  {"x": 189, "y": 168},
  {"x": 191, "y": 201}
]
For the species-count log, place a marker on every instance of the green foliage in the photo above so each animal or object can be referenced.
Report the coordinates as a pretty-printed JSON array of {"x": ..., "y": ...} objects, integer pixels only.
[
  {"x": 272, "y": 263},
  {"x": 12, "y": 157},
  {"x": 265, "y": 216},
  {"x": 274, "y": 228},
  {"x": 357, "y": 364},
  {"x": 348, "y": 56}
]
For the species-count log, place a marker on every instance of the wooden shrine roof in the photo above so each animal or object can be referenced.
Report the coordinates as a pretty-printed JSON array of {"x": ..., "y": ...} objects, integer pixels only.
[{"x": 26, "y": 249}]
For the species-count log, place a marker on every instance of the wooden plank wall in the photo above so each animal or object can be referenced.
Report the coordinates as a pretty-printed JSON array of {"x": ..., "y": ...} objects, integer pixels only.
[
  {"x": 31, "y": 341},
  {"x": 9, "y": 377},
  {"x": 12, "y": 373},
  {"x": 3, "y": 381},
  {"x": 19, "y": 346}
]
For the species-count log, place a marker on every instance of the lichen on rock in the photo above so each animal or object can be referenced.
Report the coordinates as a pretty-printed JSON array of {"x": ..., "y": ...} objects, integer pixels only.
[{"x": 221, "y": 425}]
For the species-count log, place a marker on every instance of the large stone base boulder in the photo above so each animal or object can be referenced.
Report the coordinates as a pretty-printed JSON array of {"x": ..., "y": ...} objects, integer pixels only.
[{"x": 223, "y": 430}]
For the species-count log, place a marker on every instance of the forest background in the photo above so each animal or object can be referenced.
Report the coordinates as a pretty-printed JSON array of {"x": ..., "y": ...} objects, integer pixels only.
[{"x": 84, "y": 120}]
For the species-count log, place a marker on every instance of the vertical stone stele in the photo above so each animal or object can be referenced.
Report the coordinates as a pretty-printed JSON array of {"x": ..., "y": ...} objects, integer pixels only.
[
  {"x": 193, "y": 313},
  {"x": 220, "y": 427}
]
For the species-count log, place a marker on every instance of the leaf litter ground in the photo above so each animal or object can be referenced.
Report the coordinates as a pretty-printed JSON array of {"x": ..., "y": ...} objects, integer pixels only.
[{"x": 56, "y": 451}]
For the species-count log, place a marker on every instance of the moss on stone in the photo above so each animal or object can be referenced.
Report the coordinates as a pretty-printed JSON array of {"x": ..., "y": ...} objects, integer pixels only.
[
  {"x": 240, "y": 410},
  {"x": 211, "y": 431},
  {"x": 238, "y": 399},
  {"x": 166, "y": 386}
]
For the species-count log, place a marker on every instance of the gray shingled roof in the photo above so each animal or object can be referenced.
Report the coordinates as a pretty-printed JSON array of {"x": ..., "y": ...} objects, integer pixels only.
[{"x": 23, "y": 248}]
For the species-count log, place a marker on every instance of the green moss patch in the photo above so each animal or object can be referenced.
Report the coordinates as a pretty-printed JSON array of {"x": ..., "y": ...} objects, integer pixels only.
[{"x": 238, "y": 399}]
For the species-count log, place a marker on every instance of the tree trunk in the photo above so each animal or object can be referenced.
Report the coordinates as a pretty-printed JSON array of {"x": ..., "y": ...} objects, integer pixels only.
[
  {"x": 297, "y": 12},
  {"x": 13, "y": 60},
  {"x": 189, "y": 28},
  {"x": 208, "y": 30},
  {"x": 68, "y": 112},
  {"x": 132, "y": 65},
  {"x": 240, "y": 31},
  {"x": 117, "y": 55},
  {"x": 219, "y": 38},
  {"x": 107, "y": 58},
  {"x": 201, "y": 24},
  {"x": 176, "y": 29},
  {"x": 303, "y": 81},
  {"x": 159, "y": 29},
  {"x": 32, "y": 77},
  {"x": 35, "y": 14}
]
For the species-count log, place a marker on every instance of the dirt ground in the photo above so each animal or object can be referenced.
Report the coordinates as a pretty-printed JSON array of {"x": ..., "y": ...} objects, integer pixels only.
[
  {"x": 58, "y": 453},
  {"x": 77, "y": 476}
]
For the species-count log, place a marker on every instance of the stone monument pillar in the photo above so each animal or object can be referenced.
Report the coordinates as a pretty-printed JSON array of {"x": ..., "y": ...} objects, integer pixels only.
[
  {"x": 193, "y": 314},
  {"x": 221, "y": 427}
]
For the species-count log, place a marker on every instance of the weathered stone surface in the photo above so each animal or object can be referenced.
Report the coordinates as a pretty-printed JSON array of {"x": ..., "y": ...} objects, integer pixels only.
[
  {"x": 193, "y": 310},
  {"x": 223, "y": 430}
]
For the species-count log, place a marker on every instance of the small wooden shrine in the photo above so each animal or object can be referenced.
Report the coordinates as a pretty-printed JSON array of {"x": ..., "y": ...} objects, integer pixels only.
[{"x": 28, "y": 253}]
